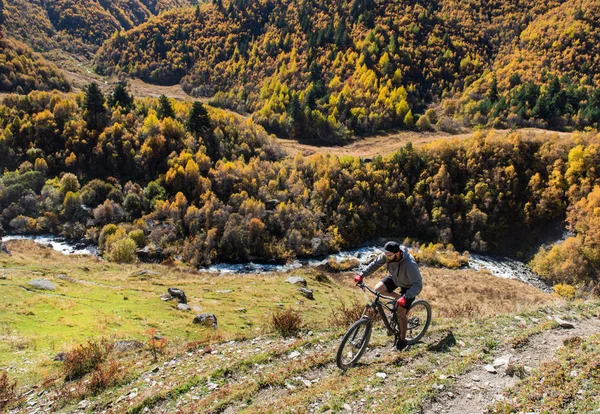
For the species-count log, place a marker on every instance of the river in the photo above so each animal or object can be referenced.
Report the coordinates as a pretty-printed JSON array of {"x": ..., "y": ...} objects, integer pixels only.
[{"x": 498, "y": 266}]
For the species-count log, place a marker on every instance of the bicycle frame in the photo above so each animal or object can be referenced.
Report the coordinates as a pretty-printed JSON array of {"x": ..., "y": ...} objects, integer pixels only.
[{"x": 378, "y": 306}]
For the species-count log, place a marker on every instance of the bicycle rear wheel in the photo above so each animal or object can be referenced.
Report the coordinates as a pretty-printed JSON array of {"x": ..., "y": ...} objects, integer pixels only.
[
  {"x": 354, "y": 343},
  {"x": 419, "y": 318}
]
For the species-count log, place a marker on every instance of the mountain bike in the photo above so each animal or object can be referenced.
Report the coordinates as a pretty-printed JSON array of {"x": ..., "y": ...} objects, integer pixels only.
[{"x": 355, "y": 341}]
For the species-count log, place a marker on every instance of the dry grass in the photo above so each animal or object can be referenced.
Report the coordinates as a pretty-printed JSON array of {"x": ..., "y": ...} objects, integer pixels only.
[
  {"x": 8, "y": 394},
  {"x": 467, "y": 293},
  {"x": 345, "y": 315},
  {"x": 287, "y": 322}
]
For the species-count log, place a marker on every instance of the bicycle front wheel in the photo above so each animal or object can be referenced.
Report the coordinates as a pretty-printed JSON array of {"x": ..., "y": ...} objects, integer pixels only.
[
  {"x": 419, "y": 318},
  {"x": 354, "y": 343}
]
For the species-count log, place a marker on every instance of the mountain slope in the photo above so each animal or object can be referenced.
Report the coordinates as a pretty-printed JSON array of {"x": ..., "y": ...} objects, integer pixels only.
[
  {"x": 78, "y": 26},
  {"x": 22, "y": 70},
  {"x": 322, "y": 70}
]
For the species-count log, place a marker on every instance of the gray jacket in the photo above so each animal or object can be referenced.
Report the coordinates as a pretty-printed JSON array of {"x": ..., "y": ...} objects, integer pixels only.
[{"x": 405, "y": 273}]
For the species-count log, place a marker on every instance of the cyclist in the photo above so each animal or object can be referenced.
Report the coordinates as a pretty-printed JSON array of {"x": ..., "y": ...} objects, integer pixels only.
[{"x": 403, "y": 273}]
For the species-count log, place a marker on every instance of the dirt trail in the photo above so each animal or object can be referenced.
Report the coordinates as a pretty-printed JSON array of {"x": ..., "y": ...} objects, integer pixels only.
[
  {"x": 476, "y": 389},
  {"x": 388, "y": 143}
]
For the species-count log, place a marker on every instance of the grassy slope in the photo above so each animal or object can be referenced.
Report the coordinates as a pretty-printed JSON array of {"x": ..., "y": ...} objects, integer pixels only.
[{"x": 205, "y": 372}]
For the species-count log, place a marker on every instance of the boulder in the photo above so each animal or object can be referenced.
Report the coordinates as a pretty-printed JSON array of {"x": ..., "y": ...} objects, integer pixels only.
[
  {"x": 178, "y": 294},
  {"x": 295, "y": 280},
  {"x": 318, "y": 247},
  {"x": 42, "y": 284},
  {"x": 183, "y": 307},
  {"x": 125, "y": 346},
  {"x": 206, "y": 319},
  {"x": 308, "y": 293},
  {"x": 564, "y": 324}
]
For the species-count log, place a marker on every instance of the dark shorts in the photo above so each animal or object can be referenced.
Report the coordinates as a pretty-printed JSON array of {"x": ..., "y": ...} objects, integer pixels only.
[{"x": 391, "y": 286}]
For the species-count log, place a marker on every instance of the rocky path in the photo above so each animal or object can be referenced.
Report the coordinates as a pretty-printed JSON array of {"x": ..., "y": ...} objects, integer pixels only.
[{"x": 473, "y": 391}]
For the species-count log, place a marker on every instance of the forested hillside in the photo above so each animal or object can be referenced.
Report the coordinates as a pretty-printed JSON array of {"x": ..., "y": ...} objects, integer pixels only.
[
  {"x": 550, "y": 78},
  {"x": 22, "y": 71},
  {"x": 324, "y": 70},
  {"x": 78, "y": 27},
  {"x": 211, "y": 186}
]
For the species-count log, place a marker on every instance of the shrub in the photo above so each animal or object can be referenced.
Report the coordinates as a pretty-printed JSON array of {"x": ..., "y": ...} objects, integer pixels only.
[
  {"x": 440, "y": 255},
  {"x": 564, "y": 290},
  {"x": 563, "y": 262},
  {"x": 8, "y": 393},
  {"x": 287, "y": 322},
  {"x": 85, "y": 358},
  {"x": 344, "y": 315},
  {"x": 156, "y": 345},
  {"x": 123, "y": 251},
  {"x": 104, "y": 376},
  {"x": 138, "y": 237},
  {"x": 69, "y": 182},
  {"x": 22, "y": 224}
]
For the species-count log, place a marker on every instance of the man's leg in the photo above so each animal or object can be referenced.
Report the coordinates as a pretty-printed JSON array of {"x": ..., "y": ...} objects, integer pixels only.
[
  {"x": 402, "y": 322},
  {"x": 382, "y": 288}
]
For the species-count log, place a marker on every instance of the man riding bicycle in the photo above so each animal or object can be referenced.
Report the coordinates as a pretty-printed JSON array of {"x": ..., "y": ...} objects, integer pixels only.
[{"x": 403, "y": 273}]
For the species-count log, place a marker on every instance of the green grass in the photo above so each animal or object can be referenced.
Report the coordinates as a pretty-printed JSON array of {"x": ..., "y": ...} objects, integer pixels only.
[{"x": 111, "y": 301}]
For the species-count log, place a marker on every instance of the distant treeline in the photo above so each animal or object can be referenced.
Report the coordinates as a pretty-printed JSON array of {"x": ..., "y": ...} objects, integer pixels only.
[{"x": 211, "y": 186}]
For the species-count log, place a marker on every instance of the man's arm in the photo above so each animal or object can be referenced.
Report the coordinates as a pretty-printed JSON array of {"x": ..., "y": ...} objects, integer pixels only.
[
  {"x": 416, "y": 281},
  {"x": 374, "y": 265}
]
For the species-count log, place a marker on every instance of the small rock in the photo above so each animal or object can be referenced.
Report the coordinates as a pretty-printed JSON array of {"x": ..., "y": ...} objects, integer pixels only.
[
  {"x": 212, "y": 386},
  {"x": 381, "y": 375},
  {"x": 241, "y": 310},
  {"x": 224, "y": 291},
  {"x": 206, "y": 320},
  {"x": 295, "y": 280},
  {"x": 451, "y": 395},
  {"x": 574, "y": 373},
  {"x": 306, "y": 382},
  {"x": 42, "y": 284},
  {"x": 347, "y": 407},
  {"x": 564, "y": 324},
  {"x": 279, "y": 305},
  {"x": 528, "y": 370},
  {"x": 178, "y": 294},
  {"x": 60, "y": 357},
  {"x": 502, "y": 361},
  {"x": 490, "y": 368},
  {"x": 144, "y": 273},
  {"x": 183, "y": 307},
  {"x": 294, "y": 354},
  {"x": 166, "y": 297},
  {"x": 308, "y": 293},
  {"x": 124, "y": 346},
  {"x": 469, "y": 396}
]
